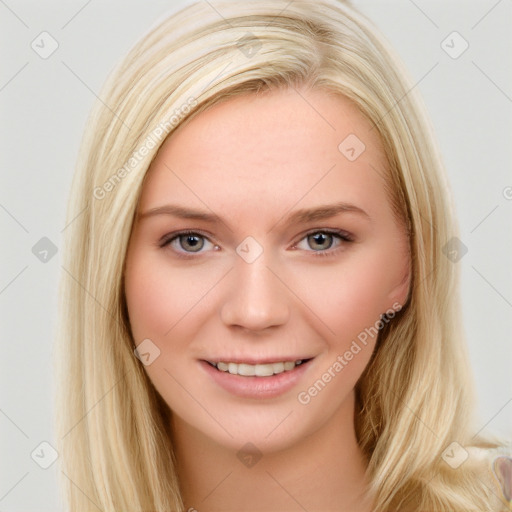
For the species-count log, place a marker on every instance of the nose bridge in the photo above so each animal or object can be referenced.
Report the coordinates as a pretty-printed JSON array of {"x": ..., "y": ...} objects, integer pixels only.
[{"x": 256, "y": 298}]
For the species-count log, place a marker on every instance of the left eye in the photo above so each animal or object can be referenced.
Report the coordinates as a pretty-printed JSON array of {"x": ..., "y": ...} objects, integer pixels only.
[{"x": 321, "y": 241}]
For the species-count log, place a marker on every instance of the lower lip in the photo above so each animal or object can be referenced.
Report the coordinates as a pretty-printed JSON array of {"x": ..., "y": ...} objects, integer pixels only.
[{"x": 256, "y": 387}]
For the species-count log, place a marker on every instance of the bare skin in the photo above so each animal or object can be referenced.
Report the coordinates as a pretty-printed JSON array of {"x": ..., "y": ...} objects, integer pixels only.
[{"x": 301, "y": 288}]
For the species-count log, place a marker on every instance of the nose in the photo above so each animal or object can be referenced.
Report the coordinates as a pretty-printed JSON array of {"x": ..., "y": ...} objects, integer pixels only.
[{"x": 255, "y": 299}]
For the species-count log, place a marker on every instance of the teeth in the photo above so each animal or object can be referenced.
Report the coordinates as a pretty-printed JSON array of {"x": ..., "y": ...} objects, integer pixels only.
[
  {"x": 278, "y": 367},
  {"x": 245, "y": 369},
  {"x": 258, "y": 370},
  {"x": 263, "y": 370}
]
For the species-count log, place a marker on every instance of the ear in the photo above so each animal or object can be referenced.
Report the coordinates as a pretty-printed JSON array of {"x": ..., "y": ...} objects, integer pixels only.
[
  {"x": 400, "y": 293},
  {"x": 502, "y": 467}
]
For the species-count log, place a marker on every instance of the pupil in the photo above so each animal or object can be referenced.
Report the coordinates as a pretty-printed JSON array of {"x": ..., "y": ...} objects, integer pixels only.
[
  {"x": 192, "y": 242},
  {"x": 320, "y": 241}
]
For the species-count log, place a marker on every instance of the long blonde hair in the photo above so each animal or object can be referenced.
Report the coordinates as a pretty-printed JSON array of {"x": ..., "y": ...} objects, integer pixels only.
[{"x": 414, "y": 398}]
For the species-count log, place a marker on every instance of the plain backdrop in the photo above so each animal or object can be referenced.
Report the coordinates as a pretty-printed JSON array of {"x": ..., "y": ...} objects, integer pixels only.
[{"x": 44, "y": 105}]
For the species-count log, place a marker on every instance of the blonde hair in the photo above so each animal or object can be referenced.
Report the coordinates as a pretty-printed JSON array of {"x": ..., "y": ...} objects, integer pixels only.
[{"x": 413, "y": 400}]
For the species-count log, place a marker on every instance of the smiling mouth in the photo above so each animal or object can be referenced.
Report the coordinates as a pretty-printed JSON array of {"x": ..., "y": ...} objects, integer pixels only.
[{"x": 257, "y": 370}]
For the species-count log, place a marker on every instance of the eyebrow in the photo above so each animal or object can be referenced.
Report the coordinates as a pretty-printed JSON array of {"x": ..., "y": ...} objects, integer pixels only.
[{"x": 303, "y": 215}]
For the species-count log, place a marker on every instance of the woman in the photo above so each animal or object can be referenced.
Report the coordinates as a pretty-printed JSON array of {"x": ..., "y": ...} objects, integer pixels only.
[{"x": 259, "y": 310}]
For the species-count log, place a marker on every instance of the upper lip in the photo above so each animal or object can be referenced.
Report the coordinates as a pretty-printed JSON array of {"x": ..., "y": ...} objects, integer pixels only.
[{"x": 253, "y": 361}]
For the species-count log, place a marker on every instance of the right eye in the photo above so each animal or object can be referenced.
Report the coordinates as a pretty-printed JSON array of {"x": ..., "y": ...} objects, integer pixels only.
[{"x": 187, "y": 242}]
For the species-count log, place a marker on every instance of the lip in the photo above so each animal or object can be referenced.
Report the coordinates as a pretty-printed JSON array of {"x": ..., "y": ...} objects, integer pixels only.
[{"x": 256, "y": 387}]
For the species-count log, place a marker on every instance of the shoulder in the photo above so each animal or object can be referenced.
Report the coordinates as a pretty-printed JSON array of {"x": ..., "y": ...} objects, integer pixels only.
[{"x": 494, "y": 464}]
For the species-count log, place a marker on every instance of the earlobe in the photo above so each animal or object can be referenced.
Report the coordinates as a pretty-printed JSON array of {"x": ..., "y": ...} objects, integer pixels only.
[{"x": 400, "y": 293}]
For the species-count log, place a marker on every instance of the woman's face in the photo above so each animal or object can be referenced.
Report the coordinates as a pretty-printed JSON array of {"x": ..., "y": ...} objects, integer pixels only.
[{"x": 264, "y": 237}]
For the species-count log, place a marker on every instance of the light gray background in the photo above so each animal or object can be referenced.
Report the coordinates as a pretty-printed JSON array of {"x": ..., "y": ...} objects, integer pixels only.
[{"x": 44, "y": 104}]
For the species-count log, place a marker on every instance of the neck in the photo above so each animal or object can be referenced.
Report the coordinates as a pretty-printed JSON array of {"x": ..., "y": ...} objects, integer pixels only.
[{"x": 325, "y": 471}]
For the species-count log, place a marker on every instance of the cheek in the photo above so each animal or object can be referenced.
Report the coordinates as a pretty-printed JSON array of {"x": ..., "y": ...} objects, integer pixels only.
[
  {"x": 159, "y": 296},
  {"x": 350, "y": 304},
  {"x": 148, "y": 304},
  {"x": 163, "y": 307},
  {"x": 350, "y": 297}
]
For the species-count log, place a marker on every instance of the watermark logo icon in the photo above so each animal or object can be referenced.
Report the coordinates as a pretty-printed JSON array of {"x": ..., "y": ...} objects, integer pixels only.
[
  {"x": 249, "y": 455},
  {"x": 249, "y": 250},
  {"x": 249, "y": 45},
  {"x": 44, "y": 250},
  {"x": 44, "y": 455},
  {"x": 146, "y": 352},
  {"x": 455, "y": 455},
  {"x": 454, "y": 250},
  {"x": 454, "y": 45},
  {"x": 352, "y": 147},
  {"x": 44, "y": 45}
]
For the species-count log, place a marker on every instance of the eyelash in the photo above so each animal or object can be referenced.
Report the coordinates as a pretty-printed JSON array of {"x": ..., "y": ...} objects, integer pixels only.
[{"x": 342, "y": 236}]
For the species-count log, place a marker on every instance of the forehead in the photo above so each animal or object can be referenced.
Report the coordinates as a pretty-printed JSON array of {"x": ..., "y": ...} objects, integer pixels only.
[{"x": 269, "y": 151}]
